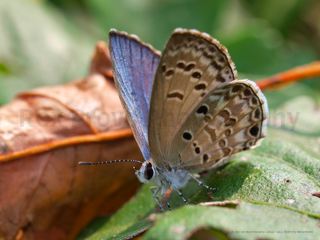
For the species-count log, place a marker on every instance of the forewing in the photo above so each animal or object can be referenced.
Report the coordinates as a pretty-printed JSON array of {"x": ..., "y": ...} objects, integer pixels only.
[
  {"x": 192, "y": 65},
  {"x": 230, "y": 119},
  {"x": 134, "y": 65}
]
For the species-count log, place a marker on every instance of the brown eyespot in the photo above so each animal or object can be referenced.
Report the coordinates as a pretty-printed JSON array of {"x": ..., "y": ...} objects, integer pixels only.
[
  {"x": 200, "y": 86},
  {"x": 169, "y": 72},
  {"x": 196, "y": 75},
  {"x": 187, "y": 136},
  {"x": 222, "y": 143},
  {"x": 189, "y": 66},
  {"x": 197, "y": 150},
  {"x": 163, "y": 68},
  {"x": 254, "y": 131},
  {"x": 247, "y": 92},
  {"x": 257, "y": 113},
  {"x": 205, "y": 157},
  {"x": 236, "y": 88},
  {"x": 203, "y": 109},
  {"x": 181, "y": 65}
]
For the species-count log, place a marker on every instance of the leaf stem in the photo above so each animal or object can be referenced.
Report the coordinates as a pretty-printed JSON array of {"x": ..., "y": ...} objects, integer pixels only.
[{"x": 293, "y": 75}]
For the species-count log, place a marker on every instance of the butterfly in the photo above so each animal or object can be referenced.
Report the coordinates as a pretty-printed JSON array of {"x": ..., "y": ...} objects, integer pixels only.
[{"x": 187, "y": 108}]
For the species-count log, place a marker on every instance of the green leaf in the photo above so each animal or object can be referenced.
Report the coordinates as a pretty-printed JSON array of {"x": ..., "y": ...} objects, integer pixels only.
[
  {"x": 247, "y": 221},
  {"x": 277, "y": 173},
  {"x": 128, "y": 222}
]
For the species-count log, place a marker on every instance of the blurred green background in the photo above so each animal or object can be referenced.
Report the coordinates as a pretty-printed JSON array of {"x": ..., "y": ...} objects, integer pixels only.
[{"x": 49, "y": 42}]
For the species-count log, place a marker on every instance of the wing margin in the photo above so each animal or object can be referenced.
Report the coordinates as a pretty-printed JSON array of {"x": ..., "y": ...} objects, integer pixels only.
[{"x": 134, "y": 66}]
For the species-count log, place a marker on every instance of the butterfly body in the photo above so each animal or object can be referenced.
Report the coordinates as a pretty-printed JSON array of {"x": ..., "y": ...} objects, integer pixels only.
[{"x": 187, "y": 108}]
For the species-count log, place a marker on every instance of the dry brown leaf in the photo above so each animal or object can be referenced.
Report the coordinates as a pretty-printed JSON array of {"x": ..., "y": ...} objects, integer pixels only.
[{"x": 44, "y": 133}]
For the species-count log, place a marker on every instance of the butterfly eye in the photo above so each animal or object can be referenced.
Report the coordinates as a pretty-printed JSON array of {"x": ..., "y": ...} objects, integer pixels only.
[{"x": 148, "y": 172}]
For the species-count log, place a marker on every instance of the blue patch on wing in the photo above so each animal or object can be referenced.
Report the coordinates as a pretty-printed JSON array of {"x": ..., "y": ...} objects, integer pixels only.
[{"x": 135, "y": 65}]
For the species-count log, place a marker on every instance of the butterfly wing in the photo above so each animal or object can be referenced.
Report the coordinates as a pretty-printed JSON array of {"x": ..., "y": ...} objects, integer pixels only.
[
  {"x": 134, "y": 64},
  {"x": 191, "y": 66},
  {"x": 230, "y": 119}
]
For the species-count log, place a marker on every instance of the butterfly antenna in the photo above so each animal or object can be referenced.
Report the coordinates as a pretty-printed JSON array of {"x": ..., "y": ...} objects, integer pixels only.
[{"x": 110, "y": 162}]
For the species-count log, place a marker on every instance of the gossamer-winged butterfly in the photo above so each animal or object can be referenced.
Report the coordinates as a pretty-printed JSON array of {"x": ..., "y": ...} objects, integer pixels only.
[{"x": 187, "y": 108}]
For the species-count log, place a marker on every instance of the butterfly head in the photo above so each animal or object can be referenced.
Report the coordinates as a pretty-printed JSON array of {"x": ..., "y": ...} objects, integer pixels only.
[{"x": 147, "y": 172}]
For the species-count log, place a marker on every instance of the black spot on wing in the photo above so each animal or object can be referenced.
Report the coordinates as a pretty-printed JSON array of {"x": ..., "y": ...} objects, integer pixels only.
[{"x": 175, "y": 94}]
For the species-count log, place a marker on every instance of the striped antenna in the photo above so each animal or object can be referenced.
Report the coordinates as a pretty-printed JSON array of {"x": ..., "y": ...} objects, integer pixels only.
[{"x": 110, "y": 162}]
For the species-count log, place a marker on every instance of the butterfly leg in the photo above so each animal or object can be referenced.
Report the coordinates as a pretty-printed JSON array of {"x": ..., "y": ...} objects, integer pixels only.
[
  {"x": 209, "y": 189},
  {"x": 181, "y": 195},
  {"x": 155, "y": 192},
  {"x": 168, "y": 204}
]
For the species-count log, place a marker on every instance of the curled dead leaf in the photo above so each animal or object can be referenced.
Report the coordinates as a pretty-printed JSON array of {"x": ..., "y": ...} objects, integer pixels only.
[{"x": 44, "y": 133}]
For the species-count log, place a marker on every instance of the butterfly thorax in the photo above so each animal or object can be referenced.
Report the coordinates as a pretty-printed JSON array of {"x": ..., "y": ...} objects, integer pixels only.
[{"x": 163, "y": 177}]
